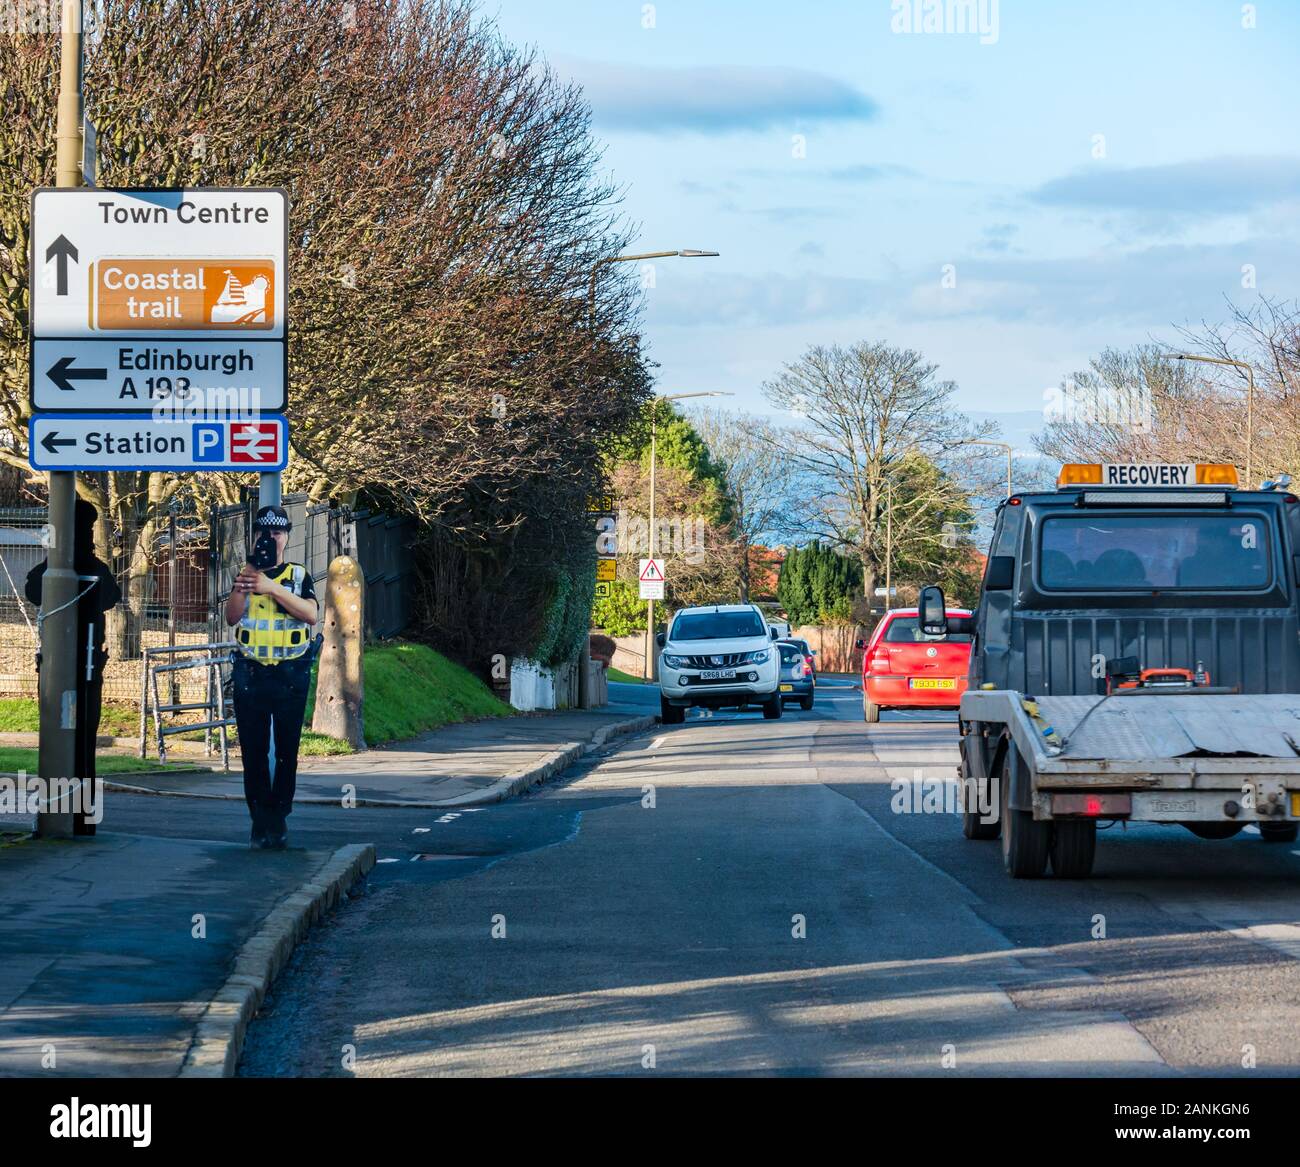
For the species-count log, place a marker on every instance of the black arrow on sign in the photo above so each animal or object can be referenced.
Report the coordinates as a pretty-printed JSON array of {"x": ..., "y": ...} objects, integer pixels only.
[
  {"x": 63, "y": 374},
  {"x": 62, "y": 250},
  {"x": 52, "y": 442}
]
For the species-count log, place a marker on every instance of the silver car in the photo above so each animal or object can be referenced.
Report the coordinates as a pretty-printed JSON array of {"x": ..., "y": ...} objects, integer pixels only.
[{"x": 797, "y": 681}]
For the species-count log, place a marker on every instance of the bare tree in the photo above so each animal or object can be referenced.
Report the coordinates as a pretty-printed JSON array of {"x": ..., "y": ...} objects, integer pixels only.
[
  {"x": 446, "y": 216},
  {"x": 866, "y": 410},
  {"x": 762, "y": 481},
  {"x": 1140, "y": 404}
]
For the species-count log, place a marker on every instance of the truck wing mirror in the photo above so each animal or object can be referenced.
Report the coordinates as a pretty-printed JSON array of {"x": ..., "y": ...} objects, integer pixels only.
[
  {"x": 933, "y": 611},
  {"x": 1001, "y": 573},
  {"x": 661, "y": 638}
]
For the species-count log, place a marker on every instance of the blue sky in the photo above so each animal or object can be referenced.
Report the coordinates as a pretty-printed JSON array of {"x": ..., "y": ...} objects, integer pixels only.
[{"x": 1096, "y": 173}]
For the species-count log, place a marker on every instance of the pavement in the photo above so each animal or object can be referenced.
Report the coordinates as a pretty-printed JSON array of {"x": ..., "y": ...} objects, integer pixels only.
[
  {"x": 117, "y": 952},
  {"x": 151, "y": 946},
  {"x": 458, "y": 765}
]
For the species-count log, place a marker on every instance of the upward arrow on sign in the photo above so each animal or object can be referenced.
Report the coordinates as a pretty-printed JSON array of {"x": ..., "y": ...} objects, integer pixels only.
[{"x": 62, "y": 250}]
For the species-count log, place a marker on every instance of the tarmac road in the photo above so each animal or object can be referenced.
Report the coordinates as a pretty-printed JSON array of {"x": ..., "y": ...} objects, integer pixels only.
[{"x": 739, "y": 896}]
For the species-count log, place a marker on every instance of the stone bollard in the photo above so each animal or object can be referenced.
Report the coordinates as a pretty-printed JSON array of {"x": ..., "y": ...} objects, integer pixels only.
[{"x": 339, "y": 682}]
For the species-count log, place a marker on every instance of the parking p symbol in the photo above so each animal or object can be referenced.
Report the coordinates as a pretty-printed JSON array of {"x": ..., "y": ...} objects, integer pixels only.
[{"x": 209, "y": 442}]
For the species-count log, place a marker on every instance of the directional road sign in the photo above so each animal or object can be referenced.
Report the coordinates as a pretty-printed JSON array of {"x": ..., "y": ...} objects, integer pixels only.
[
  {"x": 123, "y": 441},
  {"x": 165, "y": 302},
  {"x": 223, "y": 378},
  {"x": 195, "y": 264},
  {"x": 606, "y": 570}
]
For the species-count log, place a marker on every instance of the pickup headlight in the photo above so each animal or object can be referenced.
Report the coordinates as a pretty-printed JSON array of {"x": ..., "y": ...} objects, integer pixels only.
[
  {"x": 673, "y": 662},
  {"x": 760, "y": 657}
]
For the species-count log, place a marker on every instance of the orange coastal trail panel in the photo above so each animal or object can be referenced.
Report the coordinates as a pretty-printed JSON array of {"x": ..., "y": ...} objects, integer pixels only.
[{"x": 130, "y": 295}]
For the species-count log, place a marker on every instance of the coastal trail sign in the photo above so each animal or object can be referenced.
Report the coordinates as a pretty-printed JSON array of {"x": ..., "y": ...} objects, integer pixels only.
[{"x": 195, "y": 264}]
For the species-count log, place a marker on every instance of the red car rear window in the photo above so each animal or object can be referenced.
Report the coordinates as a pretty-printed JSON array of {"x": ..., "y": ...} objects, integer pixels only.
[{"x": 906, "y": 630}]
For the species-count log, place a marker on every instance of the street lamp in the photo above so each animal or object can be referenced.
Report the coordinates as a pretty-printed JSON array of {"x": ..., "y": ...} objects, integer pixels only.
[
  {"x": 584, "y": 698},
  {"x": 1250, "y": 399},
  {"x": 648, "y": 670},
  {"x": 684, "y": 253},
  {"x": 987, "y": 442}
]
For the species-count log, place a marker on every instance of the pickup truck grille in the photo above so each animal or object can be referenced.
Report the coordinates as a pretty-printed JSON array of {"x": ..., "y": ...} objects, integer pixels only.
[{"x": 726, "y": 660}]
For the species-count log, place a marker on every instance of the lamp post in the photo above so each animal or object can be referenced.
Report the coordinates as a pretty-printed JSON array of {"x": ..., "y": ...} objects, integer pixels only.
[
  {"x": 649, "y": 670},
  {"x": 60, "y": 586},
  {"x": 684, "y": 253},
  {"x": 1250, "y": 400},
  {"x": 988, "y": 442},
  {"x": 584, "y": 701}
]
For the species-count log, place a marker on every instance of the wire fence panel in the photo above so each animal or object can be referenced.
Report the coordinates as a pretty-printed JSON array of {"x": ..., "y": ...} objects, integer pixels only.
[{"x": 176, "y": 569}]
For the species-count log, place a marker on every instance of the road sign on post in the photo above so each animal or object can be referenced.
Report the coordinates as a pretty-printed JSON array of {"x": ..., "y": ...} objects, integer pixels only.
[
  {"x": 651, "y": 576},
  {"x": 113, "y": 441},
  {"x": 163, "y": 301}
]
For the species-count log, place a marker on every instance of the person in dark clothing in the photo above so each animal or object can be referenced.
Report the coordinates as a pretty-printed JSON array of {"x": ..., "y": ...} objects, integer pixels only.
[
  {"x": 99, "y": 593},
  {"x": 275, "y": 610}
]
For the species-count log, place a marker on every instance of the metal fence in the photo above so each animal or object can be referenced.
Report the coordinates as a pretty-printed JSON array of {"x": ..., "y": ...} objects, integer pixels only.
[{"x": 175, "y": 571}]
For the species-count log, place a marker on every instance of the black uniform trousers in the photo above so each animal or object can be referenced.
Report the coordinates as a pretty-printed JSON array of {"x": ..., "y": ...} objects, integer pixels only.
[{"x": 270, "y": 699}]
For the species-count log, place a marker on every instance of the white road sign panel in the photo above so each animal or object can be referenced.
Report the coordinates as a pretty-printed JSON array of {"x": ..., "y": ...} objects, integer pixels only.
[
  {"x": 652, "y": 589},
  {"x": 176, "y": 378},
  {"x": 123, "y": 441},
  {"x": 190, "y": 263}
]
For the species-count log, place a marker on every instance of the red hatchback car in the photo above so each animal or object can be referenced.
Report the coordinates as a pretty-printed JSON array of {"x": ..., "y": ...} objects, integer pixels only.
[{"x": 902, "y": 668}]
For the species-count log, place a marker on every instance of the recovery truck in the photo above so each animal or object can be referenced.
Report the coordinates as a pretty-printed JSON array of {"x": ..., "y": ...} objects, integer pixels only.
[{"x": 1136, "y": 659}]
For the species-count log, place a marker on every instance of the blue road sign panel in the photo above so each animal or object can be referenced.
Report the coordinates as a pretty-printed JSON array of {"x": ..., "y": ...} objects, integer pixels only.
[{"x": 121, "y": 441}]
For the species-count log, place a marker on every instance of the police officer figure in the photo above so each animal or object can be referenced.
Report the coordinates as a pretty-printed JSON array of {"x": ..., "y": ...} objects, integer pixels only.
[{"x": 275, "y": 610}]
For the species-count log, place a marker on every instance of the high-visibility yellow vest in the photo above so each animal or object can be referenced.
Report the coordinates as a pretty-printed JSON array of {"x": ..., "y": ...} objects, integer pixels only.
[{"x": 268, "y": 634}]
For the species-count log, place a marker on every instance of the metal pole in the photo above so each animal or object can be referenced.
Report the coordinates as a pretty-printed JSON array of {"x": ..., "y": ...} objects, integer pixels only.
[
  {"x": 171, "y": 594},
  {"x": 1008, "y": 472},
  {"x": 1250, "y": 426},
  {"x": 58, "y": 679},
  {"x": 650, "y": 670},
  {"x": 889, "y": 542}
]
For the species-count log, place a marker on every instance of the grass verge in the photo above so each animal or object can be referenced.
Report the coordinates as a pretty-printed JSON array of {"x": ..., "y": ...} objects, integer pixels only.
[
  {"x": 409, "y": 689},
  {"x": 15, "y": 758}
]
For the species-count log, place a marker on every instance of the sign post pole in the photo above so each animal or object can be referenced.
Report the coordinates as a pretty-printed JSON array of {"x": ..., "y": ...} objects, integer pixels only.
[{"x": 58, "y": 679}]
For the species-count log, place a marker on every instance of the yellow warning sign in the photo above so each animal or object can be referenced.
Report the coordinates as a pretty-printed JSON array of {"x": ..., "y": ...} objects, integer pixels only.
[
  {"x": 605, "y": 588},
  {"x": 605, "y": 570}
]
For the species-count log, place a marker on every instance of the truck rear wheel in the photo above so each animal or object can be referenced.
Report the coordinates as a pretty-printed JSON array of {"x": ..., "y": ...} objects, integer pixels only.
[
  {"x": 973, "y": 825},
  {"x": 1279, "y": 832},
  {"x": 1024, "y": 842},
  {"x": 1074, "y": 846}
]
